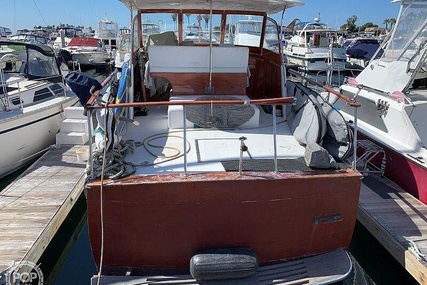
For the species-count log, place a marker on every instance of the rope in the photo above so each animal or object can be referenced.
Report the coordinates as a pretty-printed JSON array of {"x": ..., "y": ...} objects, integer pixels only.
[
  {"x": 416, "y": 251},
  {"x": 111, "y": 164},
  {"x": 101, "y": 205},
  {"x": 148, "y": 143}
]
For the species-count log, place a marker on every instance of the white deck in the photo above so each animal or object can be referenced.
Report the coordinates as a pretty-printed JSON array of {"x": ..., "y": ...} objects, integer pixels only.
[{"x": 163, "y": 147}]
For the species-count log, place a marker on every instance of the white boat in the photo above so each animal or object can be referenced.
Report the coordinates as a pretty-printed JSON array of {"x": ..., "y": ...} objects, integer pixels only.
[
  {"x": 32, "y": 100},
  {"x": 194, "y": 34},
  {"x": 248, "y": 32},
  {"x": 360, "y": 50},
  {"x": 312, "y": 48},
  {"x": 65, "y": 34},
  {"x": 392, "y": 91},
  {"x": 217, "y": 170},
  {"x": 5, "y": 32},
  {"x": 149, "y": 28},
  {"x": 31, "y": 38},
  {"x": 123, "y": 52},
  {"x": 108, "y": 33},
  {"x": 87, "y": 52}
]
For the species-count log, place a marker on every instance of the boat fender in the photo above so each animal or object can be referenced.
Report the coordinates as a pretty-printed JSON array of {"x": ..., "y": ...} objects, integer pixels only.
[
  {"x": 306, "y": 120},
  {"x": 105, "y": 131},
  {"x": 223, "y": 263},
  {"x": 317, "y": 157}
]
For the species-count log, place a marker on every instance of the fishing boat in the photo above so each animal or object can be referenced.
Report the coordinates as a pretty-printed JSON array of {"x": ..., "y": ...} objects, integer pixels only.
[
  {"x": 32, "y": 100},
  {"x": 392, "y": 91},
  {"x": 224, "y": 177},
  {"x": 312, "y": 48}
]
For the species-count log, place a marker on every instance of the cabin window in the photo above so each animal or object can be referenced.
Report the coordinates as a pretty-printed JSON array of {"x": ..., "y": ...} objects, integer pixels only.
[
  {"x": 39, "y": 65},
  {"x": 42, "y": 94},
  {"x": 271, "y": 40},
  {"x": 407, "y": 37},
  {"x": 57, "y": 89}
]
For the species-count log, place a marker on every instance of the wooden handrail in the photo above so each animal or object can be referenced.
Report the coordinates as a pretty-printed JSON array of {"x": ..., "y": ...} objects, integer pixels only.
[
  {"x": 351, "y": 102},
  {"x": 269, "y": 101}
]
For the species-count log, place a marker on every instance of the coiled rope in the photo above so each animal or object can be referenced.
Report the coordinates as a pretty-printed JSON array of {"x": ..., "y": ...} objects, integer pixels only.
[{"x": 115, "y": 165}]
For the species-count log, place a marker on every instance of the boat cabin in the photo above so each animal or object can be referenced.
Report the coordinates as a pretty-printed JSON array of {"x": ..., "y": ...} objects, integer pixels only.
[{"x": 214, "y": 61}]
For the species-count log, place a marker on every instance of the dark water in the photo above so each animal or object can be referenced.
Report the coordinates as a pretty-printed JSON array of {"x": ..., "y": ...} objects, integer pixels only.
[{"x": 68, "y": 260}]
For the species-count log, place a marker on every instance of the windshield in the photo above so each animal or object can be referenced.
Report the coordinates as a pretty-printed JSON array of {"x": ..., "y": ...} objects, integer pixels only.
[
  {"x": 26, "y": 60},
  {"x": 409, "y": 34},
  {"x": 237, "y": 29}
]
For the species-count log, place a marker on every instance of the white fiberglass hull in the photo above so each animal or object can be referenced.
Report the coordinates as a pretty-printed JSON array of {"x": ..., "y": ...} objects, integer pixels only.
[
  {"x": 27, "y": 135},
  {"x": 316, "y": 59},
  {"x": 316, "y": 63},
  {"x": 91, "y": 58}
]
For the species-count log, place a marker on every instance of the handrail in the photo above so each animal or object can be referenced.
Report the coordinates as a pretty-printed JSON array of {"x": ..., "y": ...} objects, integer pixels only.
[
  {"x": 351, "y": 102},
  {"x": 269, "y": 101}
]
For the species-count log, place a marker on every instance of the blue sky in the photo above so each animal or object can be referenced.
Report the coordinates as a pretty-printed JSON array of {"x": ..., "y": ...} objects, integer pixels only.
[{"x": 19, "y": 14}]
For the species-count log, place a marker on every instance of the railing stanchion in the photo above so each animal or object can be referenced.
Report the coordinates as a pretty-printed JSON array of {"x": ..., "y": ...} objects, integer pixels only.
[
  {"x": 89, "y": 126},
  {"x": 355, "y": 140},
  {"x": 275, "y": 139},
  {"x": 184, "y": 123}
]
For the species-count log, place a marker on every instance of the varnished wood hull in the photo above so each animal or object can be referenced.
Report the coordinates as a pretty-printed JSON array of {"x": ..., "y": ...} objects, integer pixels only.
[{"x": 161, "y": 221}]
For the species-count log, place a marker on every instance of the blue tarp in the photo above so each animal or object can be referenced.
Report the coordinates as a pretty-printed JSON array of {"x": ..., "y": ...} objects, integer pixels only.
[
  {"x": 363, "y": 49},
  {"x": 81, "y": 83}
]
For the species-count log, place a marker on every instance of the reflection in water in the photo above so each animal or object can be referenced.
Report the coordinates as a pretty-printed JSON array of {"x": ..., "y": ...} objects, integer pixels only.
[{"x": 68, "y": 258}]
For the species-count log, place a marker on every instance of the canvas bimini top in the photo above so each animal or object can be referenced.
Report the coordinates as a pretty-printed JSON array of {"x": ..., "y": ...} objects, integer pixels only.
[{"x": 266, "y": 6}]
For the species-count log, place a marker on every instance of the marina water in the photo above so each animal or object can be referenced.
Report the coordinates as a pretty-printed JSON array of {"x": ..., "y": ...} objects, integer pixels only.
[{"x": 68, "y": 259}]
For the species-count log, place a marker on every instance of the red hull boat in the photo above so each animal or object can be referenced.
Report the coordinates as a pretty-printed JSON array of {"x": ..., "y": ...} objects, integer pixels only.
[
  {"x": 161, "y": 222},
  {"x": 223, "y": 161}
]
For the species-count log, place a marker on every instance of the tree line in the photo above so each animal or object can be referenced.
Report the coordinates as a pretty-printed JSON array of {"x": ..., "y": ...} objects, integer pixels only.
[{"x": 351, "y": 27}]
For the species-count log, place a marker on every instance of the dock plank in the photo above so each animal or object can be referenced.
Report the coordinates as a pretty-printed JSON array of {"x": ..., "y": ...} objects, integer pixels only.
[
  {"x": 397, "y": 220},
  {"x": 33, "y": 207}
]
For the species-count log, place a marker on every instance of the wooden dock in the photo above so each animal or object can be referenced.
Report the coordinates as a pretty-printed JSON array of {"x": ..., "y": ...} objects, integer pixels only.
[
  {"x": 34, "y": 206},
  {"x": 398, "y": 221}
]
